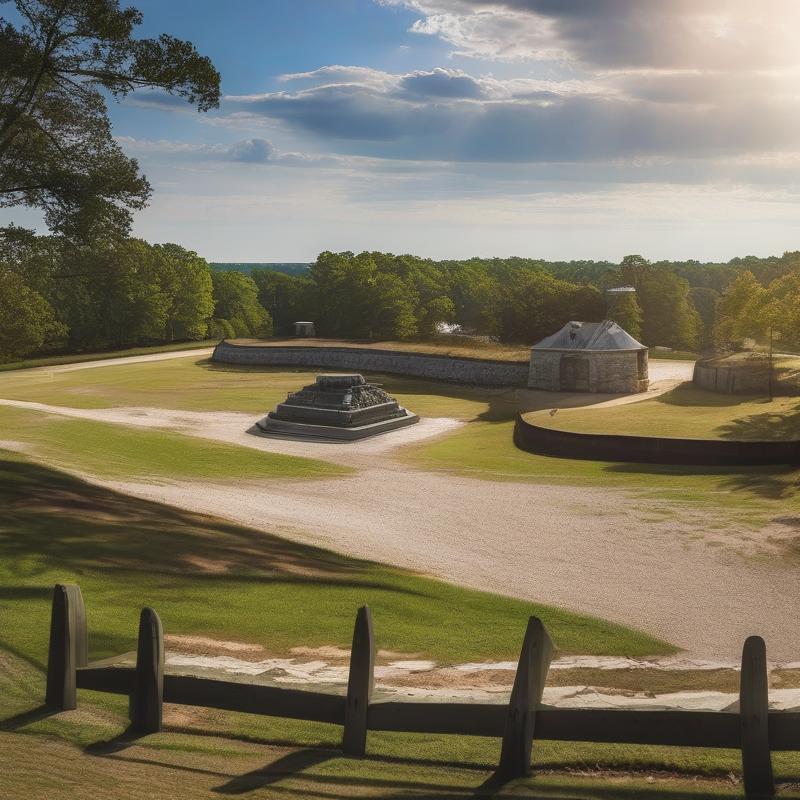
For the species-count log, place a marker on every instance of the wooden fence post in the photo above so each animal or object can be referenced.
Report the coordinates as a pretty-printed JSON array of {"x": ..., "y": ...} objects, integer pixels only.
[
  {"x": 534, "y": 661},
  {"x": 754, "y": 711},
  {"x": 148, "y": 687},
  {"x": 359, "y": 685},
  {"x": 68, "y": 647}
]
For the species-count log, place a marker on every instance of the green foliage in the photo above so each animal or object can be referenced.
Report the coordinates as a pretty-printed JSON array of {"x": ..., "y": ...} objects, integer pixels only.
[
  {"x": 736, "y": 313},
  {"x": 27, "y": 320},
  {"x": 236, "y": 300},
  {"x": 56, "y": 148},
  {"x": 627, "y": 313},
  {"x": 668, "y": 316},
  {"x": 114, "y": 293}
]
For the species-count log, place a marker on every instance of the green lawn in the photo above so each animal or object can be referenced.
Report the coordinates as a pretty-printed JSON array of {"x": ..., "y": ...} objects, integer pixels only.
[
  {"x": 685, "y": 412},
  {"x": 121, "y": 451},
  {"x": 207, "y": 576},
  {"x": 126, "y": 553},
  {"x": 200, "y": 385},
  {"x": 77, "y": 358}
]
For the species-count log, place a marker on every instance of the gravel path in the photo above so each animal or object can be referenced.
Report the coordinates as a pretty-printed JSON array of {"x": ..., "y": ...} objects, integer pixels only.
[{"x": 594, "y": 550}]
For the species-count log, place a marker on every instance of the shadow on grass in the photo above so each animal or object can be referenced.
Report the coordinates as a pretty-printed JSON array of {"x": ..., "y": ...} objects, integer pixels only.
[
  {"x": 288, "y": 765},
  {"x": 27, "y": 717},
  {"x": 53, "y": 518},
  {"x": 768, "y": 425}
]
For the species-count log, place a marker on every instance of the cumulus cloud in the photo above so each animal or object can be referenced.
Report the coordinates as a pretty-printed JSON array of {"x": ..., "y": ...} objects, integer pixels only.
[
  {"x": 451, "y": 116},
  {"x": 618, "y": 34}
]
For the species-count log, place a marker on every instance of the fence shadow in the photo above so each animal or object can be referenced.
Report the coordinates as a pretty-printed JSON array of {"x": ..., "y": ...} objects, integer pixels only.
[{"x": 289, "y": 765}]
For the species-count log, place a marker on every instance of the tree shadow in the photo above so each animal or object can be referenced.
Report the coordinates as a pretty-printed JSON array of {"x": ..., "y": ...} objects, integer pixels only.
[
  {"x": 766, "y": 426},
  {"x": 287, "y": 766},
  {"x": 52, "y": 517}
]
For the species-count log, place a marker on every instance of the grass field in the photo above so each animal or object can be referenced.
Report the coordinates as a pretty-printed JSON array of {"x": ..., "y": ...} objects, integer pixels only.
[
  {"x": 215, "y": 579},
  {"x": 482, "y": 449},
  {"x": 200, "y": 385},
  {"x": 119, "y": 451},
  {"x": 463, "y": 346},
  {"x": 685, "y": 412},
  {"x": 78, "y": 358}
]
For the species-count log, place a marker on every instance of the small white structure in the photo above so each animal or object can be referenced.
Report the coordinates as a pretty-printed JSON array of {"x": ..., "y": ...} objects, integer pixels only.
[
  {"x": 589, "y": 357},
  {"x": 304, "y": 329}
]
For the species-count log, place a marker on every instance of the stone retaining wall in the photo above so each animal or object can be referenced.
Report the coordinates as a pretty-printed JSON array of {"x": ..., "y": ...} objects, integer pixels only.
[
  {"x": 474, "y": 371},
  {"x": 731, "y": 380},
  {"x": 652, "y": 449}
]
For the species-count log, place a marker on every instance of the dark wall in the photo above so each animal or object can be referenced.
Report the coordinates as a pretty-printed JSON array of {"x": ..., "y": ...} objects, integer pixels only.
[{"x": 651, "y": 449}]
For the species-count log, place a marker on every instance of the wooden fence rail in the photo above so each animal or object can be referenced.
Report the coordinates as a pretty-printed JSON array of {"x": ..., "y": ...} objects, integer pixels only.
[{"x": 754, "y": 729}]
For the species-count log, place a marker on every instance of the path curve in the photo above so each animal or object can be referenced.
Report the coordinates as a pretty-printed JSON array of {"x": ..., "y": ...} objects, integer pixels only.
[{"x": 595, "y": 550}]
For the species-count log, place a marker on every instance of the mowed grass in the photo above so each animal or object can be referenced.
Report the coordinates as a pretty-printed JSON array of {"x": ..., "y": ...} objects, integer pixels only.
[
  {"x": 77, "y": 358},
  {"x": 210, "y": 578},
  {"x": 485, "y": 450},
  {"x": 687, "y": 412},
  {"x": 107, "y": 450},
  {"x": 192, "y": 384}
]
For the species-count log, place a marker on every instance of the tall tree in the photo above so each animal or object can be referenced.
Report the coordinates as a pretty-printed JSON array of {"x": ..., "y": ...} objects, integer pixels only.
[
  {"x": 627, "y": 313},
  {"x": 27, "y": 322},
  {"x": 56, "y": 148},
  {"x": 236, "y": 300}
]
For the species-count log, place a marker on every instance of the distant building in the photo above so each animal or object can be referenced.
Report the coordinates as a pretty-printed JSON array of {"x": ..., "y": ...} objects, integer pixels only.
[
  {"x": 589, "y": 357},
  {"x": 304, "y": 329}
]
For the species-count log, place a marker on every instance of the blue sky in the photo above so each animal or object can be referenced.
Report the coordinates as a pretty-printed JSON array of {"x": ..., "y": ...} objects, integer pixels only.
[{"x": 450, "y": 128}]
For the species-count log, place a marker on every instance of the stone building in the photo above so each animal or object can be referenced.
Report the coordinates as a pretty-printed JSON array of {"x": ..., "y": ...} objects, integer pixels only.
[{"x": 589, "y": 357}]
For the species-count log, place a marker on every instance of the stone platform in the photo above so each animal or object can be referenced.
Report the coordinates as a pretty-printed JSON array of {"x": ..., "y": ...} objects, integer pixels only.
[{"x": 337, "y": 407}]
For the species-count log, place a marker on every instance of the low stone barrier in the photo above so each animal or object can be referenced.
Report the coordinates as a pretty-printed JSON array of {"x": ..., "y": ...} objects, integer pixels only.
[
  {"x": 652, "y": 449},
  {"x": 455, "y": 369}
]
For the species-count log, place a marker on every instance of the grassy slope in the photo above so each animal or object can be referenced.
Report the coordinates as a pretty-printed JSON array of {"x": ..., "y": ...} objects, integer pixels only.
[
  {"x": 482, "y": 449},
  {"x": 77, "y": 358},
  {"x": 686, "y": 412},
  {"x": 120, "y": 451},
  {"x": 446, "y": 346},
  {"x": 206, "y": 576},
  {"x": 200, "y": 385}
]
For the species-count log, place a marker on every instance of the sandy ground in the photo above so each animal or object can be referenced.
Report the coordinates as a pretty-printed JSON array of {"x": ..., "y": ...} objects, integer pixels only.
[{"x": 593, "y": 550}]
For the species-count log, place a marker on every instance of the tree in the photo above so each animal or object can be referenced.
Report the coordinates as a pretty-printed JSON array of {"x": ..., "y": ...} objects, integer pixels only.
[
  {"x": 56, "y": 148},
  {"x": 627, "y": 313},
  {"x": 737, "y": 311},
  {"x": 186, "y": 279},
  {"x": 236, "y": 300},
  {"x": 27, "y": 321},
  {"x": 705, "y": 300}
]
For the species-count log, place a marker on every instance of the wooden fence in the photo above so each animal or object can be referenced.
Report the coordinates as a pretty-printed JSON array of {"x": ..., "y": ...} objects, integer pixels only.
[{"x": 752, "y": 729}]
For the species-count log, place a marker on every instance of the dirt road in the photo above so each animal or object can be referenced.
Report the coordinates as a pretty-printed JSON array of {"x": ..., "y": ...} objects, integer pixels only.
[{"x": 595, "y": 550}]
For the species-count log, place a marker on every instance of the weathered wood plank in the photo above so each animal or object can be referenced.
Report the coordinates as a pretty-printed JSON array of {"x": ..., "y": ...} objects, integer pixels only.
[
  {"x": 67, "y": 648},
  {"x": 638, "y": 726},
  {"x": 115, "y": 680},
  {"x": 271, "y": 701},
  {"x": 360, "y": 683},
  {"x": 148, "y": 688},
  {"x": 526, "y": 694},
  {"x": 466, "y": 719},
  {"x": 754, "y": 711}
]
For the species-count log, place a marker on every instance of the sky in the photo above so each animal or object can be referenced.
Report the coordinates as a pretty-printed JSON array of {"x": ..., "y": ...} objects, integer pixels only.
[{"x": 554, "y": 129}]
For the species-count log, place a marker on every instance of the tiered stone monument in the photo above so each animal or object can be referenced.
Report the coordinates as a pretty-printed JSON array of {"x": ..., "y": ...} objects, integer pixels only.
[{"x": 337, "y": 407}]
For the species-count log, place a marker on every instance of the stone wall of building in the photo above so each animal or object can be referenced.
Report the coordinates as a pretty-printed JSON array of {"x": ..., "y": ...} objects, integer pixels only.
[
  {"x": 612, "y": 372},
  {"x": 419, "y": 365}
]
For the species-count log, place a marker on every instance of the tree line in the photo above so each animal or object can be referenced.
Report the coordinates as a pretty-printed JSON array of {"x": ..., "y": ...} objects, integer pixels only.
[{"x": 59, "y": 297}]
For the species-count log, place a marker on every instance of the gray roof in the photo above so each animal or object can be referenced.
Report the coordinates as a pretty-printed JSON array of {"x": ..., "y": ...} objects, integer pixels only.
[{"x": 606, "y": 335}]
